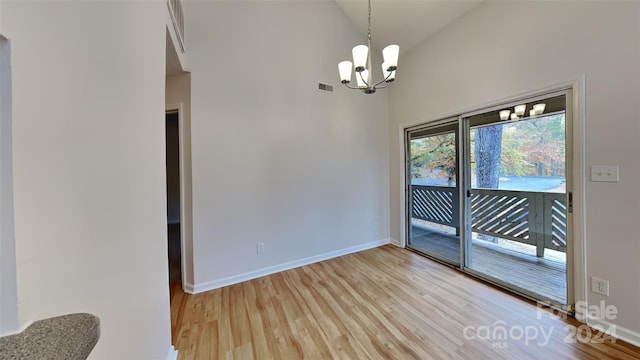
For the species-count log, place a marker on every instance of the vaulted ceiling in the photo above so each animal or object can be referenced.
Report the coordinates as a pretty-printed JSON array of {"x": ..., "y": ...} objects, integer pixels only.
[{"x": 403, "y": 22}]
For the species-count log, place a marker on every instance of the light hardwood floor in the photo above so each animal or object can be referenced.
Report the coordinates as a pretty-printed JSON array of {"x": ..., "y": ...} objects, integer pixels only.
[{"x": 384, "y": 303}]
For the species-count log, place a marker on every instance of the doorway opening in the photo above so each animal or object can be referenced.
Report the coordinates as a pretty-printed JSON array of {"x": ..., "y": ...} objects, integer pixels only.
[{"x": 172, "y": 142}]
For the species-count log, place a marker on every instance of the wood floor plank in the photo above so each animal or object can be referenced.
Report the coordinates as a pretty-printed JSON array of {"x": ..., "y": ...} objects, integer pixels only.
[{"x": 384, "y": 303}]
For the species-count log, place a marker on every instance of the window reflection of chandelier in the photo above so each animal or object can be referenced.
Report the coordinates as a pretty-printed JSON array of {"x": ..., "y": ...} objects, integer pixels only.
[{"x": 519, "y": 111}]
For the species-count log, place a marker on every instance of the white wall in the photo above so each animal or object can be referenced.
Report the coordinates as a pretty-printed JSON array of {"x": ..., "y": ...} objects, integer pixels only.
[
  {"x": 90, "y": 204},
  {"x": 502, "y": 49},
  {"x": 178, "y": 93},
  {"x": 8, "y": 286},
  {"x": 274, "y": 159}
]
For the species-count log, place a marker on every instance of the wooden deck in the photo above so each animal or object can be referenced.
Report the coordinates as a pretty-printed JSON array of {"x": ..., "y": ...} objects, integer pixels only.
[{"x": 538, "y": 275}]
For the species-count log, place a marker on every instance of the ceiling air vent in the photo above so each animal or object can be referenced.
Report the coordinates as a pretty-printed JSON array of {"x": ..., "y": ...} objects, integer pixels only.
[{"x": 325, "y": 87}]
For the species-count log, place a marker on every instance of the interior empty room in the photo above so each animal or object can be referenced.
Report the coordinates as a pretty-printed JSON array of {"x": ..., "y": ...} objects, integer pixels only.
[{"x": 319, "y": 179}]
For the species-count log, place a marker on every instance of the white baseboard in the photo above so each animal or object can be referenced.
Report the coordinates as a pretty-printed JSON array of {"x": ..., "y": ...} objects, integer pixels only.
[
  {"x": 9, "y": 333},
  {"x": 616, "y": 331},
  {"x": 395, "y": 242},
  {"x": 216, "y": 284},
  {"x": 172, "y": 354},
  {"x": 13, "y": 330},
  {"x": 188, "y": 288}
]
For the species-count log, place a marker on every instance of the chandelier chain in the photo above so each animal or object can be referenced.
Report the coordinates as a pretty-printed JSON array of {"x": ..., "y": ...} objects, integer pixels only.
[
  {"x": 366, "y": 81},
  {"x": 369, "y": 22}
]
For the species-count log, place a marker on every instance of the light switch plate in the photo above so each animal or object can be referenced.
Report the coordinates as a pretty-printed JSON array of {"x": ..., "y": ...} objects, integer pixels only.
[{"x": 605, "y": 173}]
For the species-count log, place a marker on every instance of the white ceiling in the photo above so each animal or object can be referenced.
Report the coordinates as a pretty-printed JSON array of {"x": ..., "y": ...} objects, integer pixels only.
[{"x": 403, "y": 22}]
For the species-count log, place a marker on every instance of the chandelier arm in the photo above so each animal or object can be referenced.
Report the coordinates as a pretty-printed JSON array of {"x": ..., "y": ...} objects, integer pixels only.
[
  {"x": 363, "y": 80},
  {"x": 351, "y": 87},
  {"x": 383, "y": 80}
]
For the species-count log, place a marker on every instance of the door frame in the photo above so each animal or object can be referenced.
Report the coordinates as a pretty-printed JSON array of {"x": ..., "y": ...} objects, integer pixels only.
[
  {"x": 575, "y": 150},
  {"x": 178, "y": 108}
]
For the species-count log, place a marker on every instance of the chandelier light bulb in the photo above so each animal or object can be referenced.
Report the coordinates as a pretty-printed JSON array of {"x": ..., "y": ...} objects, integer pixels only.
[
  {"x": 514, "y": 116},
  {"x": 344, "y": 68},
  {"x": 390, "y": 55},
  {"x": 519, "y": 109},
  {"x": 360, "y": 53},
  {"x": 504, "y": 114}
]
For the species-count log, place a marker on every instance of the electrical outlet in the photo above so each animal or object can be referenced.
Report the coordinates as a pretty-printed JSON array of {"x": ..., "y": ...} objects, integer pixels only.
[
  {"x": 260, "y": 247},
  {"x": 599, "y": 286}
]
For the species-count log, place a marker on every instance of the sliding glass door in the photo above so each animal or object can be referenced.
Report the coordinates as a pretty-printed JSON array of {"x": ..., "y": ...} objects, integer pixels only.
[
  {"x": 433, "y": 191},
  {"x": 516, "y": 203},
  {"x": 490, "y": 192}
]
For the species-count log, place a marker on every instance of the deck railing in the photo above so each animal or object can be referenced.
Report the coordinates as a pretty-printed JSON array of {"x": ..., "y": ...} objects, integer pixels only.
[{"x": 534, "y": 218}]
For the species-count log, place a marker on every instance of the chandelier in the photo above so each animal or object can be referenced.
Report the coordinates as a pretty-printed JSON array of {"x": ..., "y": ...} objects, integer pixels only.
[
  {"x": 519, "y": 110},
  {"x": 362, "y": 65}
]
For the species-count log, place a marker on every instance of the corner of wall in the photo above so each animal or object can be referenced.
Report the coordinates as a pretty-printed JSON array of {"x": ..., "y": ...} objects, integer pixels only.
[{"x": 8, "y": 280}]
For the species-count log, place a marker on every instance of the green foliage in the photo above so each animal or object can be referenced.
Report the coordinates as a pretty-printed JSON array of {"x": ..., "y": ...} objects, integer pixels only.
[
  {"x": 434, "y": 157},
  {"x": 534, "y": 147},
  {"x": 514, "y": 162}
]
